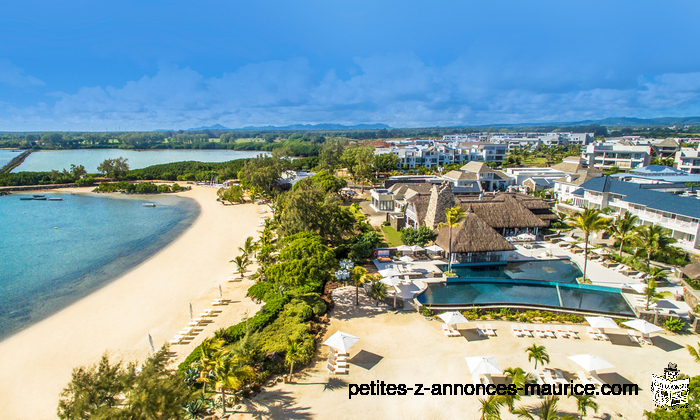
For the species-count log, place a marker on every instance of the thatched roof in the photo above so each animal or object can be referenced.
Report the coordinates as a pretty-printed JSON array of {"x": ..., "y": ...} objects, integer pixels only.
[
  {"x": 420, "y": 204},
  {"x": 503, "y": 211},
  {"x": 404, "y": 188},
  {"x": 692, "y": 271},
  {"x": 473, "y": 235}
]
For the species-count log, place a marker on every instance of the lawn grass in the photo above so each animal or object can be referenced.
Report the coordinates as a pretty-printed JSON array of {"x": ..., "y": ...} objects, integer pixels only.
[{"x": 393, "y": 238}]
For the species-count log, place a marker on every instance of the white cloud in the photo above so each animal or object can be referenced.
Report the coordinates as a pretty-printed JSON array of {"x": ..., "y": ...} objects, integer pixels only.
[
  {"x": 14, "y": 76},
  {"x": 400, "y": 90}
]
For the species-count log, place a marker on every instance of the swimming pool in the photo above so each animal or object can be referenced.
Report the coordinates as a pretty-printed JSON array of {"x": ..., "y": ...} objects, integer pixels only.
[
  {"x": 561, "y": 271},
  {"x": 553, "y": 294}
]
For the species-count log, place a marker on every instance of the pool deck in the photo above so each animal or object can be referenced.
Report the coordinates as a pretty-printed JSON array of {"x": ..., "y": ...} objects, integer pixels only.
[
  {"x": 405, "y": 348},
  {"x": 596, "y": 272}
]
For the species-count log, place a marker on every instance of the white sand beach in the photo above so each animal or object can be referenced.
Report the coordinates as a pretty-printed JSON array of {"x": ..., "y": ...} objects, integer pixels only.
[{"x": 153, "y": 298}]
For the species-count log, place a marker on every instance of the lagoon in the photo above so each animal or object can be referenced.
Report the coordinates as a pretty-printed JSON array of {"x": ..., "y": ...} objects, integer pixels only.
[
  {"x": 7, "y": 155},
  {"x": 47, "y": 160},
  {"x": 56, "y": 252}
]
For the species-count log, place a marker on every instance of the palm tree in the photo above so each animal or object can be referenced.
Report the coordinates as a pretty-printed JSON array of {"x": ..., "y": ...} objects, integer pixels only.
[
  {"x": 209, "y": 349},
  {"x": 377, "y": 291},
  {"x": 248, "y": 246},
  {"x": 519, "y": 378},
  {"x": 358, "y": 275},
  {"x": 657, "y": 273},
  {"x": 539, "y": 353},
  {"x": 295, "y": 353},
  {"x": 241, "y": 262},
  {"x": 589, "y": 221},
  {"x": 490, "y": 408},
  {"x": 453, "y": 217},
  {"x": 623, "y": 229},
  {"x": 546, "y": 411},
  {"x": 650, "y": 292},
  {"x": 229, "y": 373},
  {"x": 695, "y": 352},
  {"x": 654, "y": 239},
  {"x": 583, "y": 403}
]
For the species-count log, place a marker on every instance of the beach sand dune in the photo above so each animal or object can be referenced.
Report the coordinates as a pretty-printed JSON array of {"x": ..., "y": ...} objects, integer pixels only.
[{"x": 153, "y": 298}]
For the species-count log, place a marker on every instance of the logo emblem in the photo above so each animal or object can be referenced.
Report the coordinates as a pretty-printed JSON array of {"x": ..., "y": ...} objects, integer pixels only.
[{"x": 668, "y": 391}]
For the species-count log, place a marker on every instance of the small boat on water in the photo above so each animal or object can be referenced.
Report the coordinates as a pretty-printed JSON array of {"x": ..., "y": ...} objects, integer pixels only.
[
  {"x": 26, "y": 198},
  {"x": 42, "y": 198},
  {"x": 37, "y": 196},
  {"x": 55, "y": 199},
  {"x": 149, "y": 204}
]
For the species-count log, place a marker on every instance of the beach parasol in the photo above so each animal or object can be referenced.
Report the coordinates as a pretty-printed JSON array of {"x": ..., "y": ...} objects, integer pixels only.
[
  {"x": 190, "y": 311},
  {"x": 453, "y": 318},
  {"x": 643, "y": 326},
  {"x": 591, "y": 362},
  {"x": 341, "y": 341},
  {"x": 416, "y": 248},
  {"x": 483, "y": 365},
  {"x": 389, "y": 272},
  {"x": 391, "y": 281},
  {"x": 601, "y": 322},
  {"x": 406, "y": 259},
  {"x": 434, "y": 248},
  {"x": 221, "y": 294},
  {"x": 150, "y": 343}
]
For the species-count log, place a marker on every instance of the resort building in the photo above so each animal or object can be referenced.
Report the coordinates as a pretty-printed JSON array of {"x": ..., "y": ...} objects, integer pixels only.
[
  {"x": 662, "y": 178},
  {"x": 680, "y": 215},
  {"x": 666, "y": 148},
  {"x": 489, "y": 179},
  {"x": 605, "y": 156},
  {"x": 688, "y": 159},
  {"x": 465, "y": 183},
  {"x": 486, "y": 152},
  {"x": 511, "y": 214},
  {"x": 565, "y": 187},
  {"x": 474, "y": 241},
  {"x": 541, "y": 177}
]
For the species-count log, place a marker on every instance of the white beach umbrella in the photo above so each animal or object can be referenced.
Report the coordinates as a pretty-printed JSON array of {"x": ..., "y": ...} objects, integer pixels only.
[
  {"x": 434, "y": 248},
  {"x": 403, "y": 248},
  {"x": 341, "y": 341},
  {"x": 483, "y": 365},
  {"x": 221, "y": 294},
  {"x": 190, "y": 311},
  {"x": 601, "y": 322},
  {"x": 591, "y": 362},
  {"x": 150, "y": 343},
  {"x": 637, "y": 287},
  {"x": 391, "y": 281},
  {"x": 453, "y": 318},
  {"x": 416, "y": 248},
  {"x": 406, "y": 258},
  {"x": 642, "y": 326}
]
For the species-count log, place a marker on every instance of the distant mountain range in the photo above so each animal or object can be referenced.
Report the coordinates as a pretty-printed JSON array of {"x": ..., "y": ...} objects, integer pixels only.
[
  {"x": 609, "y": 122},
  {"x": 303, "y": 127}
]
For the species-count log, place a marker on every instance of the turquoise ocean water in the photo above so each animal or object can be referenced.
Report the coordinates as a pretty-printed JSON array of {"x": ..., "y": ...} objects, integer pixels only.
[
  {"x": 98, "y": 238},
  {"x": 47, "y": 160}
]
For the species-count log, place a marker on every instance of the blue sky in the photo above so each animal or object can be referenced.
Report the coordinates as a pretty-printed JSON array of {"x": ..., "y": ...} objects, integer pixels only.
[{"x": 147, "y": 64}]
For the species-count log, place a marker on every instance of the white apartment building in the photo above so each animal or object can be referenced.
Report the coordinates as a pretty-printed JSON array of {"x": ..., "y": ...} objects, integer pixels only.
[
  {"x": 680, "y": 215},
  {"x": 521, "y": 174},
  {"x": 688, "y": 159},
  {"x": 606, "y": 155}
]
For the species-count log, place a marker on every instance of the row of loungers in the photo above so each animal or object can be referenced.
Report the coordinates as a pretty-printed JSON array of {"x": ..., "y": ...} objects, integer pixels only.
[
  {"x": 337, "y": 362},
  {"x": 189, "y": 331},
  {"x": 543, "y": 331}
]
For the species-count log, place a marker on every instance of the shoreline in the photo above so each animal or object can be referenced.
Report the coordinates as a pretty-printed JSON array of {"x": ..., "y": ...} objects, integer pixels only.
[{"x": 151, "y": 298}]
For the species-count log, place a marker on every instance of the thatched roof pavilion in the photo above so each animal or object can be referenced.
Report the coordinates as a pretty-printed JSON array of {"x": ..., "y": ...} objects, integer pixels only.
[
  {"x": 504, "y": 211},
  {"x": 473, "y": 235},
  {"x": 692, "y": 271}
]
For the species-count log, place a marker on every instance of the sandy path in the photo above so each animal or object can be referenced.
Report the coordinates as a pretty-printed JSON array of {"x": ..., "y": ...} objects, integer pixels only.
[{"x": 151, "y": 298}]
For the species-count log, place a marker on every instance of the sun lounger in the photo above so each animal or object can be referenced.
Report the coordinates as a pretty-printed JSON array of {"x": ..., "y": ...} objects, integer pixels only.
[
  {"x": 548, "y": 332},
  {"x": 450, "y": 332},
  {"x": 562, "y": 332},
  {"x": 633, "y": 337},
  {"x": 516, "y": 332},
  {"x": 535, "y": 374},
  {"x": 337, "y": 370},
  {"x": 584, "y": 379},
  {"x": 194, "y": 322},
  {"x": 480, "y": 329},
  {"x": 489, "y": 330},
  {"x": 186, "y": 331},
  {"x": 176, "y": 340},
  {"x": 539, "y": 333},
  {"x": 217, "y": 302},
  {"x": 592, "y": 334},
  {"x": 551, "y": 380},
  {"x": 639, "y": 275},
  {"x": 596, "y": 379},
  {"x": 525, "y": 331},
  {"x": 572, "y": 333},
  {"x": 559, "y": 375}
]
